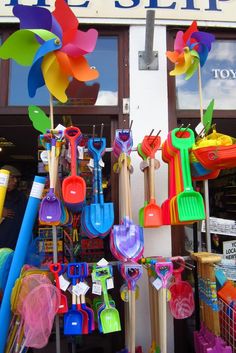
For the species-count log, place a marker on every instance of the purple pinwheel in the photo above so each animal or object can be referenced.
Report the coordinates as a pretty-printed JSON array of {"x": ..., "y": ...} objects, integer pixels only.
[{"x": 190, "y": 48}]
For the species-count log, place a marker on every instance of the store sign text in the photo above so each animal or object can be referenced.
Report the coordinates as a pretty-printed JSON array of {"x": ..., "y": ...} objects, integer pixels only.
[
  {"x": 212, "y": 5},
  {"x": 224, "y": 74},
  {"x": 229, "y": 250}
]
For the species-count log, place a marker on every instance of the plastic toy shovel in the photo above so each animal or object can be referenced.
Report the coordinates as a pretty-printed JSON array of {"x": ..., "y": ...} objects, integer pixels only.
[
  {"x": 152, "y": 212},
  {"x": 50, "y": 208},
  {"x": 164, "y": 271},
  {"x": 144, "y": 167},
  {"x": 109, "y": 316},
  {"x": 182, "y": 300},
  {"x": 101, "y": 214},
  {"x": 73, "y": 319},
  {"x": 73, "y": 187},
  {"x": 189, "y": 202},
  {"x": 56, "y": 269}
]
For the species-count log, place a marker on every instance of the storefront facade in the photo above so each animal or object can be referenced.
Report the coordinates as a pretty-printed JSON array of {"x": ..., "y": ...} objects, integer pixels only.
[{"x": 150, "y": 103}]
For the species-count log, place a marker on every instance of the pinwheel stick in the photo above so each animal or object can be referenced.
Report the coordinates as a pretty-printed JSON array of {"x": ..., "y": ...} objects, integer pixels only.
[
  {"x": 51, "y": 112},
  {"x": 54, "y": 235},
  {"x": 205, "y": 182},
  {"x": 200, "y": 92}
]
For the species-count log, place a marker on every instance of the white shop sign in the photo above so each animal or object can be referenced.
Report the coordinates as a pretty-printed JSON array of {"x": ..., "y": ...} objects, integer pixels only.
[
  {"x": 229, "y": 250},
  {"x": 221, "y": 226},
  {"x": 205, "y": 10}
]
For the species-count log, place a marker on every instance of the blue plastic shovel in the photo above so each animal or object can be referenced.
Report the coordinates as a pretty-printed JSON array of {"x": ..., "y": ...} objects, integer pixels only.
[{"x": 73, "y": 319}]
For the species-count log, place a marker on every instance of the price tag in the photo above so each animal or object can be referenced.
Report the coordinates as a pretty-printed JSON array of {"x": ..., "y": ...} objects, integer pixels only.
[
  {"x": 83, "y": 288},
  {"x": 64, "y": 284},
  {"x": 90, "y": 164},
  {"x": 102, "y": 263},
  {"x": 101, "y": 163},
  {"x": 200, "y": 130},
  {"x": 110, "y": 283},
  {"x": 60, "y": 127},
  {"x": 97, "y": 289},
  {"x": 157, "y": 283},
  {"x": 76, "y": 290},
  {"x": 80, "y": 152}
]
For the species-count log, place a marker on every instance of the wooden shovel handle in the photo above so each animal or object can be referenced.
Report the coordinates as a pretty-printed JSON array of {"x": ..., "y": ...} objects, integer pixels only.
[
  {"x": 127, "y": 336},
  {"x": 162, "y": 319},
  {"x": 132, "y": 321},
  {"x": 126, "y": 183}
]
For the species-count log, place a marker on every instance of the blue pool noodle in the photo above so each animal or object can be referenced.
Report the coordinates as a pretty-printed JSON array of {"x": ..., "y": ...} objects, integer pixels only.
[{"x": 19, "y": 256}]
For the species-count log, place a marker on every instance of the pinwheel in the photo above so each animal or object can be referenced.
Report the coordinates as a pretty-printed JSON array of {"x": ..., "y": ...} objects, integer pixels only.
[
  {"x": 191, "y": 48},
  {"x": 53, "y": 46}
]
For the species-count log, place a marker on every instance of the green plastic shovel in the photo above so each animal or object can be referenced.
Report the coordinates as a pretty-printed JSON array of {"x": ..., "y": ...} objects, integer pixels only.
[
  {"x": 189, "y": 202},
  {"x": 109, "y": 316}
]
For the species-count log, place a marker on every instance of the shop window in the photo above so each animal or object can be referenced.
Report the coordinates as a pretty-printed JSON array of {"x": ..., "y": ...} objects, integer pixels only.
[
  {"x": 218, "y": 80},
  {"x": 104, "y": 91}
]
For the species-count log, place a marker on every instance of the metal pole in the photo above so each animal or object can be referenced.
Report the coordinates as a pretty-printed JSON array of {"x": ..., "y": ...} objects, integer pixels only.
[
  {"x": 207, "y": 220},
  {"x": 149, "y": 36}
]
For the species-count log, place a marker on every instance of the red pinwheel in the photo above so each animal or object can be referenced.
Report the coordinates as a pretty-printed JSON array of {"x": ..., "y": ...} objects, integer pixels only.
[
  {"x": 190, "y": 49},
  {"x": 53, "y": 46}
]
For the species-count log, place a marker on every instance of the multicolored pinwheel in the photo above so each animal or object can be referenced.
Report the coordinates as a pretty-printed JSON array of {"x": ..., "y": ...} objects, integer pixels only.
[
  {"x": 53, "y": 46},
  {"x": 190, "y": 49}
]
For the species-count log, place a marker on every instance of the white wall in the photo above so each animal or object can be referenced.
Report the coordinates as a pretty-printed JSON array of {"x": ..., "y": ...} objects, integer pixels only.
[{"x": 148, "y": 110}]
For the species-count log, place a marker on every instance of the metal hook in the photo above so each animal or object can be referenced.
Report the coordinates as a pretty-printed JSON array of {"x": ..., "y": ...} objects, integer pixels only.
[
  {"x": 94, "y": 126},
  {"x": 180, "y": 127},
  {"x": 213, "y": 126},
  {"x": 150, "y": 133},
  {"x": 156, "y": 136},
  {"x": 182, "y": 132},
  {"x": 101, "y": 132},
  {"x": 131, "y": 123},
  {"x": 185, "y": 265},
  {"x": 124, "y": 121}
]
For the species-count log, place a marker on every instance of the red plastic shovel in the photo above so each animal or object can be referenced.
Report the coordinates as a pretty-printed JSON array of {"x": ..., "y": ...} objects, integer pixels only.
[
  {"x": 73, "y": 187},
  {"x": 56, "y": 269},
  {"x": 152, "y": 212},
  {"x": 182, "y": 299}
]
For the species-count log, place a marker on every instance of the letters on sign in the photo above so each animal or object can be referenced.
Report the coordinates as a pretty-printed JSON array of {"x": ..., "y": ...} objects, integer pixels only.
[
  {"x": 212, "y": 5},
  {"x": 224, "y": 74}
]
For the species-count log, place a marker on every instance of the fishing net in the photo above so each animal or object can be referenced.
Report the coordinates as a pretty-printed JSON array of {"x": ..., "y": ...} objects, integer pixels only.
[
  {"x": 38, "y": 311},
  {"x": 36, "y": 300},
  {"x": 23, "y": 286}
]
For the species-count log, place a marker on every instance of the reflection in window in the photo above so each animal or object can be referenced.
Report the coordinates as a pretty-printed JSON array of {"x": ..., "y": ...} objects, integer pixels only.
[
  {"x": 105, "y": 88},
  {"x": 218, "y": 80}
]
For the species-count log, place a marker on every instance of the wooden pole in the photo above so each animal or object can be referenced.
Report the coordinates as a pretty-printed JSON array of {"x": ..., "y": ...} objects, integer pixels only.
[{"x": 205, "y": 182}]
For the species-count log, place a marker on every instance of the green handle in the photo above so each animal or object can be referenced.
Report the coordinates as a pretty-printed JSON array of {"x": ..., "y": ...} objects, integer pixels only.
[
  {"x": 186, "y": 172},
  {"x": 104, "y": 290},
  {"x": 102, "y": 277},
  {"x": 183, "y": 144}
]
